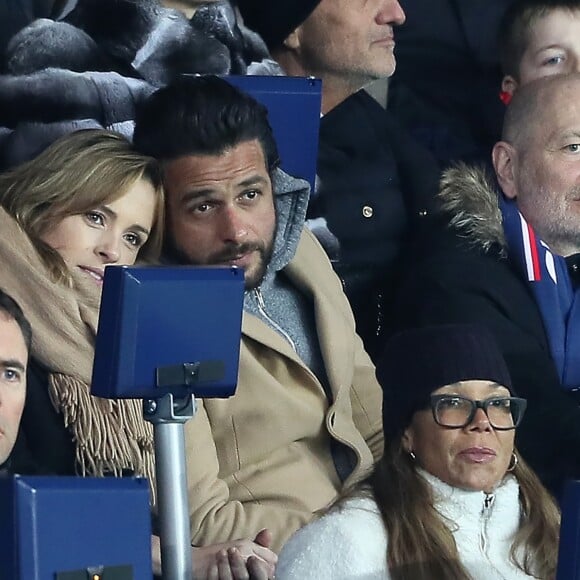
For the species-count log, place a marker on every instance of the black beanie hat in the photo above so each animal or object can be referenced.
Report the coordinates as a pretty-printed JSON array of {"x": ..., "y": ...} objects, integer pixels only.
[
  {"x": 416, "y": 362},
  {"x": 274, "y": 20}
]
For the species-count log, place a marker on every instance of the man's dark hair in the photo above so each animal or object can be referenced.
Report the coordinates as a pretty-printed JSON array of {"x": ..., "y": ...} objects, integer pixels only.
[
  {"x": 515, "y": 27},
  {"x": 10, "y": 307},
  {"x": 201, "y": 115}
]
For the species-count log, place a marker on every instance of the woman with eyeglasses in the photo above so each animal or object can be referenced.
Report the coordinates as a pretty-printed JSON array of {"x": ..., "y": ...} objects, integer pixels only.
[{"x": 451, "y": 499}]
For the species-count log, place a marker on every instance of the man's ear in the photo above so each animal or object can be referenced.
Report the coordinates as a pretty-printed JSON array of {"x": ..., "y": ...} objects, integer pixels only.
[
  {"x": 504, "y": 158},
  {"x": 292, "y": 41},
  {"x": 509, "y": 84}
]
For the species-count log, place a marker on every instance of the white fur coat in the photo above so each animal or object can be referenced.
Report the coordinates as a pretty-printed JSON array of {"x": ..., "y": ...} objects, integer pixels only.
[{"x": 350, "y": 543}]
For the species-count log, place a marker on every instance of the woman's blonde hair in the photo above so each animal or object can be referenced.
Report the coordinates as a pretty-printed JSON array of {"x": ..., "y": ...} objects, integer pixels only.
[
  {"x": 422, "y": 547},
  {"x": 78, "y": 173}
]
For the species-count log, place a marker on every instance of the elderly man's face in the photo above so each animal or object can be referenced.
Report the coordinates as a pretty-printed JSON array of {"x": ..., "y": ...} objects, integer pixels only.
[
  {"x": 13, "y": 361},
  {"x": 350, "y": 39},
  {"x": 547, "y": 170},
  {"x": 221, "y": 209}
]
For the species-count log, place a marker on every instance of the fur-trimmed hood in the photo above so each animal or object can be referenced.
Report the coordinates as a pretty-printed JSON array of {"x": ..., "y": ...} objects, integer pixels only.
[{"x": 469, "y": 198}]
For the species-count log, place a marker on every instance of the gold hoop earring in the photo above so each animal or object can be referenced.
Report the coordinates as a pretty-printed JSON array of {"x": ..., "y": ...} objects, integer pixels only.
[{"x": 513, "y": 462}]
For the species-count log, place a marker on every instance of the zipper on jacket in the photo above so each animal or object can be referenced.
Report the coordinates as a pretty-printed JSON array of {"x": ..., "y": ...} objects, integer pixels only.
[
  {"x": 262, "y": 309},
  {"x": 483, "y": 540},
  {"x": 486, "y": 514}
]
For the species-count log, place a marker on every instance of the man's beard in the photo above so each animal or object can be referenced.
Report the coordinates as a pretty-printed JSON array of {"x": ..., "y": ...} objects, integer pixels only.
[
  {"x": 175, "y": 255},
  {"x": 558, "y": 226}
]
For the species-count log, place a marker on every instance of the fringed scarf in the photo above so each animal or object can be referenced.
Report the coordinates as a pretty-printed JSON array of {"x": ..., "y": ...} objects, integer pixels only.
[
  {"x": 549, "y": 280},
  {"x": 111, "y": 437}
]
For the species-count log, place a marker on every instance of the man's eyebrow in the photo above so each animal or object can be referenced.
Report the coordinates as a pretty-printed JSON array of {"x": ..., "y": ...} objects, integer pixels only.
[
  {"x": 12, "y": 363},
  {"x": 195, "y": 194},
  {"x": 254, "y": 180},
  {"x": 573, "y": 133}
]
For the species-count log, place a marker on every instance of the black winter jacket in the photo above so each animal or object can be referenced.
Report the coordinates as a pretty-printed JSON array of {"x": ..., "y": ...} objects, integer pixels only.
[
  {"x": 44, "y": 445},
  {"x": 375, "y": 188}
]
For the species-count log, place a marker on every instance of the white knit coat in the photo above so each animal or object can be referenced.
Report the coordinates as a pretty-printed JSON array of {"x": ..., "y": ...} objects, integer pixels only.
[{"x": 350, "y": 543}]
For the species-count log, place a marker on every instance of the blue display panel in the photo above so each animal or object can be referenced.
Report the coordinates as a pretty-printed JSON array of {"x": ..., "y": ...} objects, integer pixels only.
[
  {"x": 293, "y": 105},
  {"x": 57, "y": 525},
  {"x": 168, "y": 329}
]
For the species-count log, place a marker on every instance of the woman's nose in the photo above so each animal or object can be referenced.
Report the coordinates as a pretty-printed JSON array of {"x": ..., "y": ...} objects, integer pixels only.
[{"x": 108, "y": 249}]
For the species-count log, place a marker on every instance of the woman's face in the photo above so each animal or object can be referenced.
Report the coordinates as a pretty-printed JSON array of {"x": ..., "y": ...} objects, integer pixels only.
[
  {"x": 473, "y": 457},
  {"x": 110, "y": 234}
]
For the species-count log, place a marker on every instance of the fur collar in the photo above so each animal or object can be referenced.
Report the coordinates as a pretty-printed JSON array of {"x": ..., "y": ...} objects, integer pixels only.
[{"x": 470, "y": 200}]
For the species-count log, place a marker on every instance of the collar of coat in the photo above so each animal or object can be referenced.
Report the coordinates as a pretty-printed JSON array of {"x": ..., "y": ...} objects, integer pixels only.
[{"x": 469, "y": 199}]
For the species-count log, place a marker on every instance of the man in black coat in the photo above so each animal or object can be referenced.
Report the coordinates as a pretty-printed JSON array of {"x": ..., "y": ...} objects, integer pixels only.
[
  {"x": 375, "y": 185},
  {"x": 510, "y": 260}
]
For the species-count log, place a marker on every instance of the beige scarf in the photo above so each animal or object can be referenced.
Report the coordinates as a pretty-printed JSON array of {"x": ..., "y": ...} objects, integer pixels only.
[{"x": 110, "y": 436}]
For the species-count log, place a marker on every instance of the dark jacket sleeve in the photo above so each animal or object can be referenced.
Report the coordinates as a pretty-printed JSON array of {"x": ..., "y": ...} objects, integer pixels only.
[
  {"x": 44, "y": 446},
  {"x": 453, "y": 285}
]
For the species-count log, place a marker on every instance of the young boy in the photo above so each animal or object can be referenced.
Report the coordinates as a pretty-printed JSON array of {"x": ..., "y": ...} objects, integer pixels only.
[{"x": 538, "y": 38}]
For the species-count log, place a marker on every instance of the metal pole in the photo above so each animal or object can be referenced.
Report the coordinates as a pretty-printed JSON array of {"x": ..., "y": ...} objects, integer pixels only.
[{"x": 168, "y": 420}]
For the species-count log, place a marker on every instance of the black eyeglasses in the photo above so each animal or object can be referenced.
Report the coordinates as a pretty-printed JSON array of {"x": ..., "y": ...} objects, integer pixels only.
[{"x": 503, "y": 413}]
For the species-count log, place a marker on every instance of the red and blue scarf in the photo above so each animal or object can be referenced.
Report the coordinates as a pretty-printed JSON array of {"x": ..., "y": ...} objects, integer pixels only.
[{"x": 549, "y": 281}]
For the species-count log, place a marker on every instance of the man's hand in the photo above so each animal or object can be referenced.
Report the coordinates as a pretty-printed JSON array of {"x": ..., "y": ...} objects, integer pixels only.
[{"x": 236, "y": 560}]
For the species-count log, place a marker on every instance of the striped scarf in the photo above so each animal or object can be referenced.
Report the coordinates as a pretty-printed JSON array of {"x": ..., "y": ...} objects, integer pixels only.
[{"x": 548, "y": 278}]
